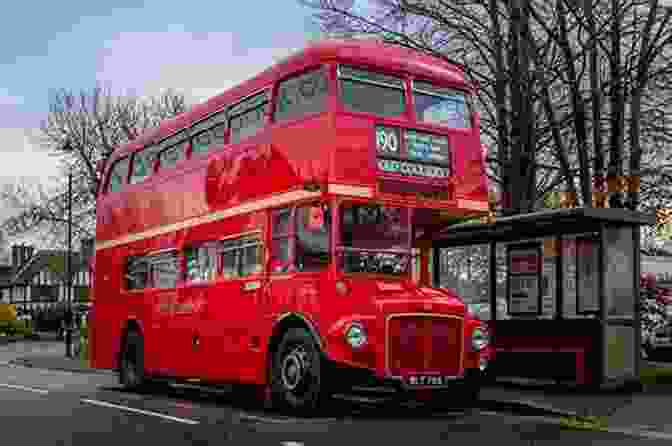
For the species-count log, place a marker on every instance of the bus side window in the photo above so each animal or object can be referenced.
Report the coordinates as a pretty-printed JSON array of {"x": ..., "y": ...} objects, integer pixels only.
[
  {"x": 201, "y": 143},
  {"x": 143, "y": 165},
  {"x": 201, "y": 262},
  {"x": 248, "y": 116},
  {"x": 302, "y": 95},
  {"x": 250, "y": 256},
  {"x": 137, "y": 273},
  {"x": 230, "y": 254},
  {"x": 169, "y": 157},
  {"x": 281, "y": 247},
  {"x": 164, "y": 270},
  {"x": 118, "y": 175}
]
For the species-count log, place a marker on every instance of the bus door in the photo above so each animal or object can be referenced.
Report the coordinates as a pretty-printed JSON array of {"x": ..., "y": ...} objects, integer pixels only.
[
  {"x": 174, "y": 315},
  {"x": 197, "y": 299},
  {"x": 246, "y": 325},
  {"x": 230, "y": 343}
]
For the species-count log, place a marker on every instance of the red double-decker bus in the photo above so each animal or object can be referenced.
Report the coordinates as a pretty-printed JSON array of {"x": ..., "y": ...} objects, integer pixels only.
[{"x": 267, "y": 236}]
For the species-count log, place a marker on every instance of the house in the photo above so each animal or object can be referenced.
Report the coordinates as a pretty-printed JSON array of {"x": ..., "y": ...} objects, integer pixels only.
[
  {"x": 39, "y": 278},
  {"x": 658, "y": 261},
  {"x": 6, "y": 273}
]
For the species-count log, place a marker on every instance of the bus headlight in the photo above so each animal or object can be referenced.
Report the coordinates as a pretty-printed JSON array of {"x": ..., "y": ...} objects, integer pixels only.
[
  {"x": 479, "y": 339},
  {"x": 355, "y": 335}
]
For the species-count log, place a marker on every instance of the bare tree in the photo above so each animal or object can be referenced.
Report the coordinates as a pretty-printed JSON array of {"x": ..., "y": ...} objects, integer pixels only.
[
  {"x": 566, "y": 86},
  {"x": 81, "y": 130}
]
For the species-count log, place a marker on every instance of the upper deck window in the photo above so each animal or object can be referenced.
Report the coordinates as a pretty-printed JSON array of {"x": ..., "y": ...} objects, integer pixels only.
[
  {"x": 370, "y": 92},
  {"x": 169, "y": 157},
  {"x": 442, "y": 106},
  {"x": 301, "y": 95},
  {"x": 201, "y": 262},
  {"x": 247, "y": 117},
  {"x": 208, "y": 133},
  {"x": 201, "y": 143},
  {"x": 118, "y": 175},
  {"x": 143, "y": 165}
]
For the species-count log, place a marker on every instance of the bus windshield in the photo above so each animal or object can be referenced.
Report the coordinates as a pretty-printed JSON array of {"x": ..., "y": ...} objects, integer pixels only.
[
  {"x": 370, "y": 92},
  {"x": 442, "y": 106},
  {"x": 375, "y": 239}
]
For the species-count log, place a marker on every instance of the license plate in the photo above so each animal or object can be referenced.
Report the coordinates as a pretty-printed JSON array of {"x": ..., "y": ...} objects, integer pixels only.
[{"x": 428, "y": 380}]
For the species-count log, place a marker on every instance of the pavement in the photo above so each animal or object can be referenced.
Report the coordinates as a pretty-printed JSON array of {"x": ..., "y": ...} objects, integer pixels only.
[{"x": 642, "y": 413}]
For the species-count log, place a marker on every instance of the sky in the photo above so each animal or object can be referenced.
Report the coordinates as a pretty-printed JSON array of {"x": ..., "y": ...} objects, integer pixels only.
[{"x": 199, "y": 48}]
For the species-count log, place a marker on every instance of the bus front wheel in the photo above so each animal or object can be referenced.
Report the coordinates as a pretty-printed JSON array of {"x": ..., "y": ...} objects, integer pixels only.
[
  {"x": 131, "y": 367},
  {"x": 297, "y": 373}
]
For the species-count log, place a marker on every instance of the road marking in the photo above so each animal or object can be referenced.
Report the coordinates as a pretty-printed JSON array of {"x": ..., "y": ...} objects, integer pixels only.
[
  {"x": 264, "y": 419},
  {"x": 27, "y": 389},
  {"x": 140, "y": 411},
  {"x": 247, "y": 416}
]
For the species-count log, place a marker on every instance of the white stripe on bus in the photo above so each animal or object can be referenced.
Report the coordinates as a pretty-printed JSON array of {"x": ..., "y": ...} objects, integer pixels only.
[{"x": 277, "y": 200}]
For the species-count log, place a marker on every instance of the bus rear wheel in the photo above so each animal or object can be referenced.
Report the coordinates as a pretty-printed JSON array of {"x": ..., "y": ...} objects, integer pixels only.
[{"x": 297, "y": 373}]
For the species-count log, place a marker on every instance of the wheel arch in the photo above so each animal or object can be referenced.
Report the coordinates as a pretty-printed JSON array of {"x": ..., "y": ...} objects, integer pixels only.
[{"x": 286, "y": 322}]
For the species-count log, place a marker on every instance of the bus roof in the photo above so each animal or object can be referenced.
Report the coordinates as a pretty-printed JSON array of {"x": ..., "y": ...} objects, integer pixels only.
[{"x": 363, "y": 52}]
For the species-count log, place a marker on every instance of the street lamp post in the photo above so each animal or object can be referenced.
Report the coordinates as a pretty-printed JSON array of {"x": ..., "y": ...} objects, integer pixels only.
[{"x": 68, "y": 275}]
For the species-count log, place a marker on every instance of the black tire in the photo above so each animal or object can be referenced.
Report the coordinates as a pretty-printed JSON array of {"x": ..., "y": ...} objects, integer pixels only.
[
  {"x": 297, "y": 374},
  {"x": 131, "y": 363}
]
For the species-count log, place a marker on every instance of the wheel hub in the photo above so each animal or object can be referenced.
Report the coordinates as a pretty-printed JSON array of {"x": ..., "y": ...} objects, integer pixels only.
[{"x": 294, "y": 368}]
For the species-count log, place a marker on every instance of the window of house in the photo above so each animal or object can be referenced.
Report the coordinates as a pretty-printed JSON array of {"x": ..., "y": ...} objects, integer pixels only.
[
  {"x": 202, "y": 262},
  {"x": 248, "y": 116},
  {"x": 118, "y": 175},
  {"x": 370, "y": 92},
  {"x": 303, "y": 94}
]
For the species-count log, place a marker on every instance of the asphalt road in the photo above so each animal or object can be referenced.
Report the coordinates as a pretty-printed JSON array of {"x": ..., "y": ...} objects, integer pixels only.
[{"x": 45, "y": 407}]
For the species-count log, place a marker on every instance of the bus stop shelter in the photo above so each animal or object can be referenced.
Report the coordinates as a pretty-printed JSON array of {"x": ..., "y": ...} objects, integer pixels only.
[{"x": 570, "y": 280}]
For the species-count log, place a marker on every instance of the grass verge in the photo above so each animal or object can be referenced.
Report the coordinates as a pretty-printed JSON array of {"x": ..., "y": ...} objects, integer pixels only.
[
  {"x": 589, "y": 423},
  {"x": 655, "y": 375}
]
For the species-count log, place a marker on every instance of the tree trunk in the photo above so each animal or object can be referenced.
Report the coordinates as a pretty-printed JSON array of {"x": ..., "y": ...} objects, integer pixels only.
[{"x": 615, "y": 172}]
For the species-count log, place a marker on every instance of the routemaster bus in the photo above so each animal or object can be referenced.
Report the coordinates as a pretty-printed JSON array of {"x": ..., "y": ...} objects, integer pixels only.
[{"x": 268, "y": 235}]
